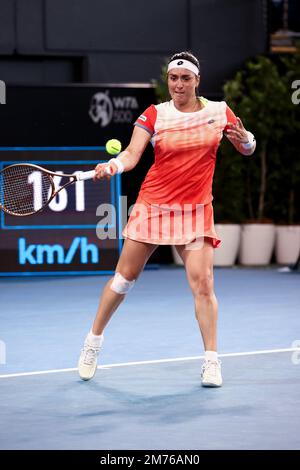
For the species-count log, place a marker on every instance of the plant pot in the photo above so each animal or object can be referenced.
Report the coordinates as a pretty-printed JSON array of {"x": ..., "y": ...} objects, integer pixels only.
[
  {"x": 230, "y": 235},
  {"x": 287, "y": 244},
  {"x": 257, "y": 244}
]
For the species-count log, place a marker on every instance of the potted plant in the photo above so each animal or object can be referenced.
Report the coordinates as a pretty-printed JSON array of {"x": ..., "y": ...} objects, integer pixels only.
[
  {"x": 257, "y": 94},
  {"x": 228, "y": 207},
  {"x": 287, "y": 183}
]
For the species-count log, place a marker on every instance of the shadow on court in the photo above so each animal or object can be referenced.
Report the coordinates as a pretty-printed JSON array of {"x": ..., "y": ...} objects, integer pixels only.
[{"x": 157, "y": 406}]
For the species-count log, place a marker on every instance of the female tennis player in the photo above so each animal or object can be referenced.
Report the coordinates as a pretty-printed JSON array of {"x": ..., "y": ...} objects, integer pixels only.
[{"x": 174, "y": 205}]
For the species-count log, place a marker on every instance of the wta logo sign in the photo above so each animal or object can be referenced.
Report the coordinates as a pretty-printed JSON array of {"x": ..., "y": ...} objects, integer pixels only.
[
  {"x": 2, "y": 92},
  {"x": 105, "y": 109}
]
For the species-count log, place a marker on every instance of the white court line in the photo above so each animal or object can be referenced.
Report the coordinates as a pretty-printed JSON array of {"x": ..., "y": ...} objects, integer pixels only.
[{"x": 157, "y": 361}]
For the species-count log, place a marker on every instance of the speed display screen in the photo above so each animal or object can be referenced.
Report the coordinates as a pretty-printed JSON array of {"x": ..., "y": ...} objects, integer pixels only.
[
  {"x": 64, "y": 128},
  {"x": 64, "y": 237}
]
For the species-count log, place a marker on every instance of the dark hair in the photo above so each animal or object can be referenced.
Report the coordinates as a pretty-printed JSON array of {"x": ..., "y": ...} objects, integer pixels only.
[{"x": 186, "y": 55}]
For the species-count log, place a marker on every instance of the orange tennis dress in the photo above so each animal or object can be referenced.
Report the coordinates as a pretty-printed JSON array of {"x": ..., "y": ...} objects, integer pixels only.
[{"x": 174, "y": 205}]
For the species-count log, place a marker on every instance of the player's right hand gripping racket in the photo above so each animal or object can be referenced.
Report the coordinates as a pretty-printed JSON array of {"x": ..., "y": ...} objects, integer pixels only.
[{"x": 26, "y": 189}]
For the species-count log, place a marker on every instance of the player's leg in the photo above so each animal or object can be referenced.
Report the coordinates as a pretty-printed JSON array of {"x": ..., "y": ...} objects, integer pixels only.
[
  {"x": 132, "y": 261},
  {"x": 199, "y": 270}
]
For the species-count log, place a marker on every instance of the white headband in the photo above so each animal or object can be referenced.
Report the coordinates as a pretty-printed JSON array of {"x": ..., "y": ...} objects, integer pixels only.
[{"x": 183, "y": 64}]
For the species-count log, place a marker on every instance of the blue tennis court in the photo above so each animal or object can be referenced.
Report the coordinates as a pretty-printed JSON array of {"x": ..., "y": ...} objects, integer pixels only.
[{"x": 147, "y": 392}]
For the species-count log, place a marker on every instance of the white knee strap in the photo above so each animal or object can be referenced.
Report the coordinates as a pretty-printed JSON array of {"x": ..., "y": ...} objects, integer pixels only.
[{"x": 120, "y": 285}]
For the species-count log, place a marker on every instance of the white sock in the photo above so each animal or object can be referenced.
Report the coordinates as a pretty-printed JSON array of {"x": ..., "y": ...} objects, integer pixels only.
[
  {"x": 95, "y": 340},
  {"x": 211, "y": 356}
]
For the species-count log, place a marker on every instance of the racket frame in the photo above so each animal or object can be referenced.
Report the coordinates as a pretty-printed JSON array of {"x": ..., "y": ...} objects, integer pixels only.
[{"x": 80, "y": 176}]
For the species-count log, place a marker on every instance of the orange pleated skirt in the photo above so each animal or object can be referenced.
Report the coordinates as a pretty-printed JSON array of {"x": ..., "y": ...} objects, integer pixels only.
[{"x": 171, "y": 225}]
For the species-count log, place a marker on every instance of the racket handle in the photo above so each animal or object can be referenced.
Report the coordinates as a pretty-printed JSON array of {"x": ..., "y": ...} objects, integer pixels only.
[
  {"x": 88, "y": 175},
  {"x": 85, "y": 175}
]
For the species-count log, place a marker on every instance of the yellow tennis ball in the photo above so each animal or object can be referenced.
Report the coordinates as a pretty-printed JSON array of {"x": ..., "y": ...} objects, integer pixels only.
[{"x": 113, "y": 146}]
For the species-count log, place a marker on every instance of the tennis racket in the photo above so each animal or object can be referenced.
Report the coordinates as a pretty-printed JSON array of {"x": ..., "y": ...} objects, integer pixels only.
[{"x": 26, "y": 189}]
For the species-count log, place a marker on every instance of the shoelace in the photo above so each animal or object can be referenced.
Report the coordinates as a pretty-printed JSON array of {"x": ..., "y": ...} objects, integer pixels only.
[
  {"x": 90, "y": 355},
  {"x": 211, "y": 366}
]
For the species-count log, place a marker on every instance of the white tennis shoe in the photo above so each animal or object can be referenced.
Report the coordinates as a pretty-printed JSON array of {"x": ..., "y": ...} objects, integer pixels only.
[
  {"x": 88, "y": 360},
  {"x": 211, "y": 374}
]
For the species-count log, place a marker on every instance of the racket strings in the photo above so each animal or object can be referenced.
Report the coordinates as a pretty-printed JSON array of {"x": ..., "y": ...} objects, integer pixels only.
[{"x": 24, "y": 190}]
